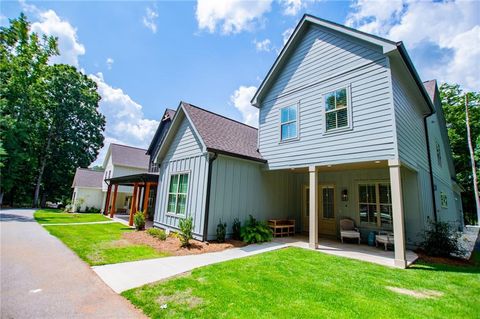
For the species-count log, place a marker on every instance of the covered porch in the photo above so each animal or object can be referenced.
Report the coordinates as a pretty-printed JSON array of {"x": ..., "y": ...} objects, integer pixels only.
[
  {"x": 369, "y": 193},
  {"x": 142, "y": 199}
]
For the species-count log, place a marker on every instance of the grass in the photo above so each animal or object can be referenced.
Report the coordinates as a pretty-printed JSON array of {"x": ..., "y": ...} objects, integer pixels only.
[
  {"x": 56, "y": 216},
  {"x": 100, "y": 244},
  {"x": 297, "y": 283}
]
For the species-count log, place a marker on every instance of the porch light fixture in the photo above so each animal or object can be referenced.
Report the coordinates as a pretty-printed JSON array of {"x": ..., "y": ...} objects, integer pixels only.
[{"x": 344, "y": 195}]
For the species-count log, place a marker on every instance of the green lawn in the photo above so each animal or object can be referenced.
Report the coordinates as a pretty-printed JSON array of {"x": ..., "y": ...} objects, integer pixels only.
[
  {"x": 297, "y": 283},
  {"x": 100, "y": 244},
  {"x": 56, "y": 216}
]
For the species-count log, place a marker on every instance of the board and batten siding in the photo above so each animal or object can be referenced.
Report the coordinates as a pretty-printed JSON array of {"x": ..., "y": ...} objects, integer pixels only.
[
  {"x": 184, "y": 155},
  {"x": 241, "y": 187},
  {"x": 323, "y": 62}
]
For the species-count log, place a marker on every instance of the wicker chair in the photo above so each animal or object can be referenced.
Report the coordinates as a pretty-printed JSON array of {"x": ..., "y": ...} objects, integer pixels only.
[{"x": 348, "y": 230}]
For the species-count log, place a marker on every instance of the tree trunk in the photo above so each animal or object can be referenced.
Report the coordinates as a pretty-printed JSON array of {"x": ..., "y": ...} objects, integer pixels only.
[
  {"x": 40, "y": 173},
  {"x": 472, "y": 160}
]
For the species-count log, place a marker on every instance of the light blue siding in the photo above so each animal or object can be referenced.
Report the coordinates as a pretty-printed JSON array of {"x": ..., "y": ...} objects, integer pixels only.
[
  {"x": 322, "y": 62},
  {"x": 240, "y": 187},
  {"x": 184, "y": 155}
]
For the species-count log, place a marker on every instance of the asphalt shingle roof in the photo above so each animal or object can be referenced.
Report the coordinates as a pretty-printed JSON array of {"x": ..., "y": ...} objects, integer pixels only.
[
  {"x": 85, "y": 177},
  {"x": 223, "y": 134},
  {"x": 130, "y": 156},
  {"x": 430, "y": 88}
]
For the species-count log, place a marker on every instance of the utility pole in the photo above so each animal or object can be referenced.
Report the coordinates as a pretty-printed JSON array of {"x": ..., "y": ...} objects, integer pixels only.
[{"x": 472, "y": 161}]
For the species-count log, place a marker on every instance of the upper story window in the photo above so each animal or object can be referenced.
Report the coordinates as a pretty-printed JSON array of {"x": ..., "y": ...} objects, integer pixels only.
[
  {"x": 337, "y": 114},
  {"x": 289, "y": 122},
  {"x": 177, "y": 194},
  {"x": 439, "y": 154}
]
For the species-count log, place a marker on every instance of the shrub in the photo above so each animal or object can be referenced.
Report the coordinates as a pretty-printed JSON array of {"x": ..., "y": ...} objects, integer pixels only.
[
  {"x": 92, "y": 210},
  {"x": 236, "y": 229},
  {"x": 157, "y": 233},
  {"x": 221, "y": 231},
  {"x": 255, "y": 231},
  {"x": 186, "y": 229},
  {"x": 441, "y": 240},
  {"x": 139, "y": 220}
]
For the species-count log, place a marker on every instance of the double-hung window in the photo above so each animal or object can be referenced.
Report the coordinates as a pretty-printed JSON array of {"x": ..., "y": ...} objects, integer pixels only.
[
  {"x": 375, "y": 204},
  {"x": 288, "y": 123},
  {"x": 336, "y": 109},
  {"x": 177, "y": 194}
]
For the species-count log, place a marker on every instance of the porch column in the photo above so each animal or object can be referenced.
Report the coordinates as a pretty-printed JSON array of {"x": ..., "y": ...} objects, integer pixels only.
[
  {"x": 145, "y": 199},
  {"x": 112, "y": 209},
  {"x": 313, "y": 211},
  {"x": 107, "y": 200},
  {"x": 398, "y": 215},
  {"x": 133, "y": 207}
]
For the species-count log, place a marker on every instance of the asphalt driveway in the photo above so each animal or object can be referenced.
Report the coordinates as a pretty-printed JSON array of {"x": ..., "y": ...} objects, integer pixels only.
[{"x": 42, "y": 278}]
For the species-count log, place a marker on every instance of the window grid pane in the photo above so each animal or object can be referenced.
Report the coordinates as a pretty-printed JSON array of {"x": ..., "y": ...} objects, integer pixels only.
[
  {"x": 288, "y": 122},
  {"x": 177, "y": 197},
  {"x": 336, "y": 113}
]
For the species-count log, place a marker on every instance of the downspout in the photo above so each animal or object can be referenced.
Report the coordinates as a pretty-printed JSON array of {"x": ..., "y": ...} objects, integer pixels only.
[
  {"x": 207, "y": 199},
  {"x": 432, "y": 188}
]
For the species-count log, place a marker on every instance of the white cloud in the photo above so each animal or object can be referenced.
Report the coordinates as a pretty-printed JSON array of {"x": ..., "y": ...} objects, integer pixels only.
[
  {"x": 292, "y": 7},
  {"x": 450, "y": 26},
  {"x": 265, "y": 45},
  {"x": 241, "y": 100},
  {"x": 125, "y": 119},
  {"x": 109, "y": 63},
  {"x": 68, "y": 44},
  {"x": 286, "y": 35},
  {"x": 150, "y": 19},
  {"x": 232, "y": 16}
]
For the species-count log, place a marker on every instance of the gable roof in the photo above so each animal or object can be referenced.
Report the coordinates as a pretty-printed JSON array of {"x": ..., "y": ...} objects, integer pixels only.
[
  {"x": 124, "y": 155},
  {"x": 167, "y": 116},
  {"x": 388, "y": 47},
  {"x": 85, "y": 177},
  {"x": 223, "y": 135},
  {"x": 216, "y": 133}
]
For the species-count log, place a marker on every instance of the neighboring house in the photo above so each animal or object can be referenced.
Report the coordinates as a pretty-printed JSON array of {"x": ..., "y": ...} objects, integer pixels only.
[
  {"x": 346, "y": 129},
  {"x": 87, "y": 189},
  {"x": 131, "y": 176}
]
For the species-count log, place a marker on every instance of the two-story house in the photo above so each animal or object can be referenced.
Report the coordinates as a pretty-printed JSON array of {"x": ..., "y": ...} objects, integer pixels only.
[{"x": 346, "y": 129}]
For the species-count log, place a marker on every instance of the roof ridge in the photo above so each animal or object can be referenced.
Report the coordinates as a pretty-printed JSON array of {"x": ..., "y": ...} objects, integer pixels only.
[
  {"x": 129, "y": 146},
  {"x": 219, "y": 115}
]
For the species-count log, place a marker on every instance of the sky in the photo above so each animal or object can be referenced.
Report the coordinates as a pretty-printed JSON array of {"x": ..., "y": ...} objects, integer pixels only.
[{"x": 148, "y": 56}]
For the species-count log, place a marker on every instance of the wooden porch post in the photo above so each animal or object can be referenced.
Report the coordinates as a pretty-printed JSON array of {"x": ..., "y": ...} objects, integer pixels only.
[
  {"x": 398, "y": 215},
  {"x": 313, "y": 211},
  {"x": 107, "y": 200},
  {"x": 112, "y": 210},
  {"x": 133, "y": 208},
  {"x": 145, "y": 199}
]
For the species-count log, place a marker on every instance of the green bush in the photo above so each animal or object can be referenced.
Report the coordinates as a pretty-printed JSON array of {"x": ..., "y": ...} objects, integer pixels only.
[
  {"x": 139, "y": 220},
  {"x": 92, "y": 210},
  {"x": 236, "y": 229},
  {"x": 186, "y": 230},
  {"x": 255, "y": 231},
  {"x": 221, "y": 231},
  {"x": 441, "y": 240},
  {"x": 157, "y": 233}
]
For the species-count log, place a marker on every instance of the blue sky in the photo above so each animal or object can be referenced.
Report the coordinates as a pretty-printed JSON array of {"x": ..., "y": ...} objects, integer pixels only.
[{"x": 146, "y": 56}]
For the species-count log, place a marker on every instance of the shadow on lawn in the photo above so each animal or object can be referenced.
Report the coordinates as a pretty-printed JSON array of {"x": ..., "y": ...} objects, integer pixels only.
[{"x": 467, "y": 268}]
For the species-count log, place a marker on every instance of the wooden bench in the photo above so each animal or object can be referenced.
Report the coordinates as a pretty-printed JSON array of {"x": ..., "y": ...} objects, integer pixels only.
[{"x": 282, "y": 227}]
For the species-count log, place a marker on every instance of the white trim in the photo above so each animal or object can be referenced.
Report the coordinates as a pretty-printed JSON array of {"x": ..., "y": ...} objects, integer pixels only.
[
  {"x": 297, "y": 120},
  {"x": 170, "y": 174},
  {"x": 349, "y": 126}
]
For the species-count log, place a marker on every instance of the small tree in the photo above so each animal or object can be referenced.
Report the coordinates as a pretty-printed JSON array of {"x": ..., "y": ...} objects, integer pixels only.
[
  {"x": 441, "y": 240},
  {"x": 221, "y": 231},
  {"x": 139, "y": 220},
  {"x": 236, "y": 229},
  {"x": 186, "y": 231}
]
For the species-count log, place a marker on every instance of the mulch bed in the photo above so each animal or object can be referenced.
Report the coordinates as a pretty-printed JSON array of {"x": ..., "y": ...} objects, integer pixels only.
[
  {"x": 172, "y": 244},
  {"x": 444, "y": 260}
]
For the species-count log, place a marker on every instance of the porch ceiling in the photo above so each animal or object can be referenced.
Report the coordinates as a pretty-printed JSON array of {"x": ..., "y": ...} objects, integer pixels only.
[{"x": 343, "y": 167}]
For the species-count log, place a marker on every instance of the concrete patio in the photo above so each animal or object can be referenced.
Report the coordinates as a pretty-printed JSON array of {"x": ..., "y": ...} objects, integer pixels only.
[{"x": 352, "y": 250}]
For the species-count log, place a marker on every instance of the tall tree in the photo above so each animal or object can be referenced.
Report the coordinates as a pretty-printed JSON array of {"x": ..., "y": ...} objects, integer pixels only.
[
  {"x": 23, "y": 61},
  {"x": 72, "y": 129},
  {"x": 453, "y": 103}
]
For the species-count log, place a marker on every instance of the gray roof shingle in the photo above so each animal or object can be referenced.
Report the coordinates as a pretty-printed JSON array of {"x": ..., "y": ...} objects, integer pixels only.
[
  {"x": 130, "y": 156},
  {"x": 85, "y": 177},
  {"x": 224, "y": 135}
]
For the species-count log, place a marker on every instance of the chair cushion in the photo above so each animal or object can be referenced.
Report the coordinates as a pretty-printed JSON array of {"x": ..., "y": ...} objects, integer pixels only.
[
  {"x": 350, "y": 233},
  {"x": 384, "y": 238}
]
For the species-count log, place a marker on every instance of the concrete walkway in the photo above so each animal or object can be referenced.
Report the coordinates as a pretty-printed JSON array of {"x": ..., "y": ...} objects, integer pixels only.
[
  {"x": 124, "y": 276},
  {"x": 42, "y": 278}
]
